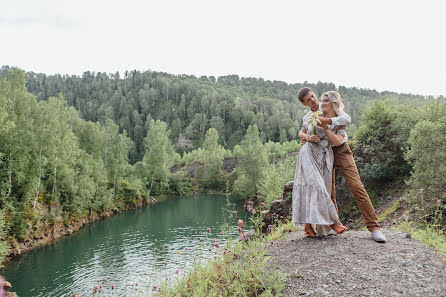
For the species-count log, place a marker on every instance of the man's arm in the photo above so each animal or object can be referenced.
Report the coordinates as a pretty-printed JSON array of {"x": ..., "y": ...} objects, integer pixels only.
[
  {"x": 342, "y": 120},
  {"x": 304, "y": 137}
]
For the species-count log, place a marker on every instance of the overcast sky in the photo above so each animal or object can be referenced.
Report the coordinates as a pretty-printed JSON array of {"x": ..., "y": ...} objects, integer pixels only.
[{"x": 383, "y": 45}]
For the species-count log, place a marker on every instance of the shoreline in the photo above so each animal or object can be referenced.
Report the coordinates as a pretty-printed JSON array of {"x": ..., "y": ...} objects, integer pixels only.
[{"x": 59, "y": 230}]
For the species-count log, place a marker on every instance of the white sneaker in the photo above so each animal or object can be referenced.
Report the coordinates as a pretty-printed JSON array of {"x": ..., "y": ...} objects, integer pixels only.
[{"x": 378, "y": 236}]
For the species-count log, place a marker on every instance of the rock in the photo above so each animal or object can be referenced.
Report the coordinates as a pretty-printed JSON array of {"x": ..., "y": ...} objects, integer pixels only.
[
  {"x": 249, "y": 235},
  {"x": 229, "y": 164},
  {"x": 280, "y": 209},
  {"x": 184, "y": 142}
]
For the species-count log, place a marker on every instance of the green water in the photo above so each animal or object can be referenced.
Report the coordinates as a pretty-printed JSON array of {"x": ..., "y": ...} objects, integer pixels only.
[{"x": 134, "y": 251}]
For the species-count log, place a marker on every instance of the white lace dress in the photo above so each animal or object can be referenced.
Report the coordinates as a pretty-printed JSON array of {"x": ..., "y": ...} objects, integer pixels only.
[{"x": 312, "y": 183}]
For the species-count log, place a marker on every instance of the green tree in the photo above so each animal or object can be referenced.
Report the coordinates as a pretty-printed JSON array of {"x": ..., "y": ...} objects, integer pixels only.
[
  {"x": 159, "y": 157},
  {"x": 116, "y": 150},
  {"x": 253, "y": 162},
  {"x": 378, "y": 148},
  {"x": 427, "y": 154},
  {"x": 213, "y": 155}
]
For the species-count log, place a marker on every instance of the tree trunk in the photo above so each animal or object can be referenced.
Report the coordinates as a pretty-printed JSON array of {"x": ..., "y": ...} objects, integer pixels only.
[
  {"x": 55, "y": 174},
  {"x": 40, "y": 176},
  {"x": 10, "y": 165},
  {"x": 151, "y": 184},
  {"x": 10, "y": 150},
  {"x": 114, "y": 188}
]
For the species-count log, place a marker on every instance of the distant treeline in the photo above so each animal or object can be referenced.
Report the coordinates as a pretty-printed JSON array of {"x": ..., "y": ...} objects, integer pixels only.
[{"x": 191, "y": 105}]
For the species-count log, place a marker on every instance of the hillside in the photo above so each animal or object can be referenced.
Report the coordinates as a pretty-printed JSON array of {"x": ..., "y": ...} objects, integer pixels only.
[{"x": 190, "y": 105}]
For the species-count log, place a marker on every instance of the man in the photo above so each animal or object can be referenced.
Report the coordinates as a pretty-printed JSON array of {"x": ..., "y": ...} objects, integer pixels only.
[{"x": 343, "y": 161}]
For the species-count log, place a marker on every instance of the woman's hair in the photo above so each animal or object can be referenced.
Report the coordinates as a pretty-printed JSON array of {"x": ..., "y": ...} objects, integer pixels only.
[{"x": 335, "y": 99}]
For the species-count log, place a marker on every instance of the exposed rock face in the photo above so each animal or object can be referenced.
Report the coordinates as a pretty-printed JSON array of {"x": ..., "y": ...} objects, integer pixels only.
[
  {"x": 280, "y": 209},
  {"x": 183, "y": 142},
  {"x": 229, "y": 164}
]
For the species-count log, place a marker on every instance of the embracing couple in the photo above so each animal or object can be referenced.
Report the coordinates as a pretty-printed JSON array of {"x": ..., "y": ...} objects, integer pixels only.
[{"x": 324, "y": 149}]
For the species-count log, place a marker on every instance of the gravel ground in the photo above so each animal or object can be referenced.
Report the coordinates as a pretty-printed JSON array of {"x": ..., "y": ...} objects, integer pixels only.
[{"x": 352, "y": 264}]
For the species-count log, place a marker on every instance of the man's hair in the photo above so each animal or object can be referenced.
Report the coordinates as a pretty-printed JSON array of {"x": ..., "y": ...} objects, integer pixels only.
[{"x": 302, "y": 93}]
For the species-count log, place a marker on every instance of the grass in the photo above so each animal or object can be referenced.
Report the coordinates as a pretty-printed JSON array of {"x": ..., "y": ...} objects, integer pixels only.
[
  {"x": 242, "y": 270},
  {"x": 431, "y": 236},
  {"x": 394, "y": 207}
]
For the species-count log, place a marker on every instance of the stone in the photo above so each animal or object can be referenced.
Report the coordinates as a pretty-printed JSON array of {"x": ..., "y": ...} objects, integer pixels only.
[{"x": 280, "y": 209}]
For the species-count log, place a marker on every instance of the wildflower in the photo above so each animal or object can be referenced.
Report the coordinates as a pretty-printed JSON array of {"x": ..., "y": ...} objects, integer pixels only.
[
  {"x": 136, "y": 284},
  {"x": 217, "y": 244},
  {"x": 155, "y": 288},
  {"x": 262, "y": 204},
  {"x": 221, "y": 233},
  {"x": 177, "y": 271},
  {"x": 270, "y": 226},
  {"x": 113, "y": 286},
  {"x": 254, "y": 211},
  {"x": 438, "y": 201},
  {"x": 165, "y": 263},
  {"x": 208, "y": 229}
]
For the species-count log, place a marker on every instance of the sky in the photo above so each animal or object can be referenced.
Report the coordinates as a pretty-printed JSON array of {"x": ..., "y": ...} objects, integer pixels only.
[{"x": 386, "y": 45}]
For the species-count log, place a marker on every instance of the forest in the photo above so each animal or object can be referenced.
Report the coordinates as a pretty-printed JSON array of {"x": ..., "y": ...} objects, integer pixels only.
[{"x": 72, "y": 146}]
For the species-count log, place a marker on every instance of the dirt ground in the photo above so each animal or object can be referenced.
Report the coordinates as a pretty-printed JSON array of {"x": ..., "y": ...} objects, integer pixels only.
[{"x": 352, "y": 264}]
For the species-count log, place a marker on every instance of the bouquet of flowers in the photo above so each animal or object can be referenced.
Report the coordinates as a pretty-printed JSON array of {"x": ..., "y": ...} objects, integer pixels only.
[{"x": 314, "y": 120}]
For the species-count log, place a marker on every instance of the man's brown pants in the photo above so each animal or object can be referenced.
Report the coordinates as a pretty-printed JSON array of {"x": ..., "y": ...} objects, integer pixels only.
[{"x": 343, "y": 161}]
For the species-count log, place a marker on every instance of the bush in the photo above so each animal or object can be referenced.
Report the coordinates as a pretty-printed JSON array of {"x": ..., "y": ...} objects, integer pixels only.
[
  {"x": 427, "y": 155},
  {"x": 379, "y": 145}
]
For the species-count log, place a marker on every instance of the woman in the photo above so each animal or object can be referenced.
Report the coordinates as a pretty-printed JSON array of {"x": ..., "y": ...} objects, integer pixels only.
[{"x": 312, "y": 204}]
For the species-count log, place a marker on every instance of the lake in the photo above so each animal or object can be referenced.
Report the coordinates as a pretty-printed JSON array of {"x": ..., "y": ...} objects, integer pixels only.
[{"x": 128, "y": 253}]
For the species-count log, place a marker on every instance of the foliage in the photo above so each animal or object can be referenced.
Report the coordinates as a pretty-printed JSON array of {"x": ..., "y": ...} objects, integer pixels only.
[
  {"x": 428, "y": 235},
  {"x": 159, "y": 157},
  {"x": 4, "y": 249},
  {"x": 253, "y": 161},
  {"x": 271, "y": 185},
  {"x": 277, "y": 149},
  {"x": 428, "y": 143},
  {"x": 378, "y": 148},
  {"x": 191, "y": 105},
  {"x": 240, "y": 271},
  {"x": 213, "y": 155}
]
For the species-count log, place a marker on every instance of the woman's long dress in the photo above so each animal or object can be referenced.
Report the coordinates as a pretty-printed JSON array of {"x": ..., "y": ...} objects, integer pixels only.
[{"x": 312, "y": 183}]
